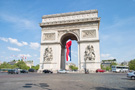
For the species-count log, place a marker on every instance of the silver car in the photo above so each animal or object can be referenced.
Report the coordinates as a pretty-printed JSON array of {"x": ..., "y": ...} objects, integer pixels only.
[
  {"x": 131, "y": 75},
  {"x": 62, "y": 71}
]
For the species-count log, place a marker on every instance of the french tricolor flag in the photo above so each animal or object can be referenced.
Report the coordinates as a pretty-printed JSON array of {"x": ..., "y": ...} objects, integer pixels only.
[{"x": 68, "y": 47}]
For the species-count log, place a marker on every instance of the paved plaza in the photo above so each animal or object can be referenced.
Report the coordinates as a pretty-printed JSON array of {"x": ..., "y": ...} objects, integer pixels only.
[{"x": 92, "y": 81}]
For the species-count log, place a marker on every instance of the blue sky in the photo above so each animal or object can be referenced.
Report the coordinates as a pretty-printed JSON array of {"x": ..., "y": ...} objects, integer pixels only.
[{"x": 20, "y": 34}]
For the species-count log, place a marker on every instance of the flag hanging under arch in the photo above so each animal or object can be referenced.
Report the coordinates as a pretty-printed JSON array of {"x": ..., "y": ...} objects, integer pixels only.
[{"x": 68, "y": 47}]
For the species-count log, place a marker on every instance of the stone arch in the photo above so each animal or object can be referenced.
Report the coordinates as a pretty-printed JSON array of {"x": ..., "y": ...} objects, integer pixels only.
[
  {"x": 63, "y": 40},
  {"x": 58, "y": 28},
  {"x": 63, "y": 33},
  {"x": 66, "y": 36}
]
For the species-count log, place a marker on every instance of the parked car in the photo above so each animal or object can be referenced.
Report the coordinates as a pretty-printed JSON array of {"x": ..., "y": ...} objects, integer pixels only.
[
  {"x": 23, "y": 71},
  {"x": 13, "y": 71},
  {"x": 47, "y": 71},
  {"x": 131, "y": 75},
  {"x": 31, "y": 70},
  {"x": 62, "y": 71},
  {"x": 100, "y": 70}
]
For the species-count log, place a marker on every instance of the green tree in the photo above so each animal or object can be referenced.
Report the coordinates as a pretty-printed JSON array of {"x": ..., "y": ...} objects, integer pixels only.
[
  {"x": 22, "y": 65},
  {"x": 35, "y": 67},
  {"x": 108, "y": 68},
  {"x": 113, "y": 64},
  {"x": 102, "y": 67},
  {"x": 131, "y": 65},
  {"x": 5, "y": 65},
  {"x": 74, "y": 68}
]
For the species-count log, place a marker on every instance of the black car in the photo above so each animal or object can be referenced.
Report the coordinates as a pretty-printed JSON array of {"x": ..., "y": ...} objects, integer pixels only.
[
  {"x": 13, "y": 71},
  {"x": 31, "y": 70},
  {"x": 23, "y": 71},
  {"x": 47, "y": 71}
]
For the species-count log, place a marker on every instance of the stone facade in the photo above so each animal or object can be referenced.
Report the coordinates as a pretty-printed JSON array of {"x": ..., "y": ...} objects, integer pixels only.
[{"x": 81, "y": 26}]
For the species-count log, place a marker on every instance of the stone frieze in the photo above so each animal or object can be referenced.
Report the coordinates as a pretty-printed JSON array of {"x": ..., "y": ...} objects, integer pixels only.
[
  {"x": 48, "y": 36},
  {"x": 88, "y": 33}
]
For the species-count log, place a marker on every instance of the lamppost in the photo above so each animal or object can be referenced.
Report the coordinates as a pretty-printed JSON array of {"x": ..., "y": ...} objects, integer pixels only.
[{"x": 85, "y": 67}]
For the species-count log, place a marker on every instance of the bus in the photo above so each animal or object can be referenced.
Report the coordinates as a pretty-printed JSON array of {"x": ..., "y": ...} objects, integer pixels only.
[{"x": 120, "y": 68}]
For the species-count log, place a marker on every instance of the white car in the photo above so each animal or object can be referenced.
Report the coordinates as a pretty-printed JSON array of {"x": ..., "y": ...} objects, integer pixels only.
[
  {"x": 62, "y": 71},
  {"x": 131, "y": 75}
]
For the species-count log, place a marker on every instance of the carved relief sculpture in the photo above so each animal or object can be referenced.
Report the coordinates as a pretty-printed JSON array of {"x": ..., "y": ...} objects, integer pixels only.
[
  {"x": 48, "y": 36},
  {"x": 88, "y": 33},
  {"x": 48, "y": 55},
  {"x": 89, "y": 53}
]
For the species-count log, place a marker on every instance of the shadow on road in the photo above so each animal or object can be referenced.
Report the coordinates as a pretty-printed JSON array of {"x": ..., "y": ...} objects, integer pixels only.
[
  {"x": 41, "y": 85},
  {"x": 106, "y": 88}
]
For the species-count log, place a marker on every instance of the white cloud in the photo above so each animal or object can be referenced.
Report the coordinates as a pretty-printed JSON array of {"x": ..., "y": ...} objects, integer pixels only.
[
  {"x": 4, "y": 39},
  {"x": 14, "y": 41},
  {"x": 24, "y": 55},
  {"x": 106, "y": 56},
  {"x": 34, "y": 45},
  {"x": 24, "y": 43},
  {"x": 13, "y": 49},
  {"x": 111, "y": 58}
]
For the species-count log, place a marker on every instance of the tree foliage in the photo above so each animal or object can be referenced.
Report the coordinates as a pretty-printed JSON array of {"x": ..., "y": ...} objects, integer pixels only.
[
  {"x": 35, "y": 67},
  {"x": 20, "y": 64},
  {"x": 131, "y": 65},
  {"x": 74, "y": 68},
  {"x": 102, "y": 67},
  {"x": 5, "y": 65},
  {"x": 106, "y": 68},
  {"x": 113, "y": 64}
]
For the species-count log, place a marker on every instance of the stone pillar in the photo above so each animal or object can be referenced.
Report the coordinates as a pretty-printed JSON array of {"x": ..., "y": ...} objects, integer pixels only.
[
  {"x": 63, "y": 58},
  {"x": 79, "y": 57}
]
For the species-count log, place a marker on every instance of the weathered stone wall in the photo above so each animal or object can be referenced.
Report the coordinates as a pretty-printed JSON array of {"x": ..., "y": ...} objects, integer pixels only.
[{"x": 84, "y": 25}]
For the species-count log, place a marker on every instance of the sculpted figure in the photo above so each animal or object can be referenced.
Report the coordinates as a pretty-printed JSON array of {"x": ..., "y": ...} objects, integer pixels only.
[
  {"x": 89, "y": 53},
  {"x": 48, "y": 56}
]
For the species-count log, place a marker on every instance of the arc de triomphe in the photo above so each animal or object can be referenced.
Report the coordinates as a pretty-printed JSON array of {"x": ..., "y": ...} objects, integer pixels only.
[{"x": 82, "y": 26}]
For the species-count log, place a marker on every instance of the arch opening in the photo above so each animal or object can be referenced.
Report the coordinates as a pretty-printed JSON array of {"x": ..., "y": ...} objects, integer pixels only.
[{"x": 63, "y": 41}]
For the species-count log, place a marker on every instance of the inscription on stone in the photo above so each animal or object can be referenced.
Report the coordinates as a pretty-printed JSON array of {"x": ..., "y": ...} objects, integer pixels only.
[
  {"x": 48, "y": 36},
  {"x": 88, "y": 33}
]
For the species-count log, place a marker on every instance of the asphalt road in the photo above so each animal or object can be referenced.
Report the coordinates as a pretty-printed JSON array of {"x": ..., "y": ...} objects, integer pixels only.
[{"x": 92, "y": 81}]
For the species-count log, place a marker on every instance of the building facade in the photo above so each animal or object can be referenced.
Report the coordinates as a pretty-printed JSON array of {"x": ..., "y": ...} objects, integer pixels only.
[{"x": 82, "y": 26}]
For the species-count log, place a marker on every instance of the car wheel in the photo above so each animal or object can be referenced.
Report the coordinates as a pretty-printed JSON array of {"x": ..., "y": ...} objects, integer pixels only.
[{"x": 133, "y": 77}]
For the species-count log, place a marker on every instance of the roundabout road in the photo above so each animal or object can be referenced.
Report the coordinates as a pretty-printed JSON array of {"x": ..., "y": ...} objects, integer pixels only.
[{"x": 92, "y": 81}]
